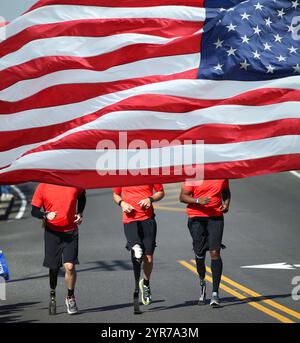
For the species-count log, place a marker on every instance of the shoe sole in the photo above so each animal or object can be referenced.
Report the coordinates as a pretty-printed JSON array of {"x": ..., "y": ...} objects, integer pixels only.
[
  {"x": 215, "y": 305},
  {"x": 141, "y": 284},
  {"x": 69, "y": 312}
]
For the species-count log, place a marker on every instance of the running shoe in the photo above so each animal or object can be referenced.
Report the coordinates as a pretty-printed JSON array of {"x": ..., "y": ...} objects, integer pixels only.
[
  {"x": 145, "y": 293},
  {"x": 202, "y": 298},
  {"x": 52, "y": 305},
  {"x": 71, "y": 305},
  {"x": 215, "y": 300}
]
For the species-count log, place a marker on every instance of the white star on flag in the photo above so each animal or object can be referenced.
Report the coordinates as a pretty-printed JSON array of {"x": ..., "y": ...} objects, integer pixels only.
[
  {"x": 218, "y": 66},
  {"x": 231, "y": 51},
  {"x": 267, "y": 46},
  {"x": 270, "y": 69},
  {"x": 281, "y": 58},
  {"x": 245, "y": 16},
  {"x": 219, "y": 43},
  {"x": 268, "y": 22},
  {"x": 277, "y": 38},
  {"x": 245, "y": 39},
  {"x": 258, "y": 6},
  {"x": 231, "y": 27},
  {"x": 293, "y": 50},
  {"x": 281, "y": 13},
  {"x": 256, "y": 55},
  {"x": 257, "y": 30},
  {"x": 297, "y": 68},
  {"x": 244, "y": 65}
]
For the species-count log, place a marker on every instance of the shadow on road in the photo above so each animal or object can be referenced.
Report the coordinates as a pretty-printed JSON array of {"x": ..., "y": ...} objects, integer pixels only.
[
  {"x": 113, "y": 307},
  {"x": 10, "y": 313},
  {"x": 109, "y": 266},
  {"x": 227, "y": 301}
]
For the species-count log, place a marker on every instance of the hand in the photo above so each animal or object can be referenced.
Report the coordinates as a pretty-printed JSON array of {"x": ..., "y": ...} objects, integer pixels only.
[
  {"x": 204, "y": 201},
  {"x": 145, "y": 203},
  {"x": 127, "y": 208},
  {"x": 78, "y": 218},
  {"x": 51, "y": 215},
  {"x": 224, "y": 208}
]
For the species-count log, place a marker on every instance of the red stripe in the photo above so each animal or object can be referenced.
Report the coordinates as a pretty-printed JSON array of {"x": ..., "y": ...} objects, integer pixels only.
[
  {"x": 66, "y": 94},
  {"x": 46, "y": 65},
  {"x": 90, "y": 179},
  {"x": 167, "y": 28},
  {"x": 210, "y": 134},
  {"x": 122, "y": 3}
]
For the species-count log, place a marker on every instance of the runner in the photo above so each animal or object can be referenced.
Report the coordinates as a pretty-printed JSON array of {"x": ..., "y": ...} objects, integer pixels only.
[
  {"x": 140, "y": 231},
  {"x": 60, "y": 217},
  {"x": 207, "y": 202}
]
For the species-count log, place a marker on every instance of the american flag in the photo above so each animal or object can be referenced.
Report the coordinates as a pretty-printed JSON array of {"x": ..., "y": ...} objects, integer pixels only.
[{"x": 76, "y": 72}]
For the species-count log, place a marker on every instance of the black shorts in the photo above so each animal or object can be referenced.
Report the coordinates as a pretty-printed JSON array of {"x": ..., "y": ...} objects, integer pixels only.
[
  {"x": 143, "y": 233},
  {"x": 207, "y": 233},
  {"x": 60, "y": 247}
]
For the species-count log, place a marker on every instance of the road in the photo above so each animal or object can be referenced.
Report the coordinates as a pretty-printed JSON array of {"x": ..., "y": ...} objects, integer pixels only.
[{"x": 262, "y": 227}]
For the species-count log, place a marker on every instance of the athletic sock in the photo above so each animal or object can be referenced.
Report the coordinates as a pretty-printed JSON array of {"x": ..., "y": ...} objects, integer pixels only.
[
  {"x": 200, "y": 262},
  {"x": 70, "y": 293},
  {"x": 216, "y": 269},
  {"x": 146, "y": 282}
]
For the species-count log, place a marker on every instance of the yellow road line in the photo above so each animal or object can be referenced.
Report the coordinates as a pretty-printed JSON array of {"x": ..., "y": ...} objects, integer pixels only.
[
  {"x": 236, "y": 294},
  {"x": 272, "y": 303}
]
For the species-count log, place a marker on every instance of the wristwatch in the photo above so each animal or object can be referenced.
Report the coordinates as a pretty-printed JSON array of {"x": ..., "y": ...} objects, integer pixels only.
[
  {"x": 151, "y": 200},
  {"x": 197, "y": 200}
]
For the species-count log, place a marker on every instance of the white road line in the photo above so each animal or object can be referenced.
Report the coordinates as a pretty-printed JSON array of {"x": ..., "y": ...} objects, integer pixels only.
[
  {"x": 295, "y": 173},
  {"x": 21, "y": 195}
]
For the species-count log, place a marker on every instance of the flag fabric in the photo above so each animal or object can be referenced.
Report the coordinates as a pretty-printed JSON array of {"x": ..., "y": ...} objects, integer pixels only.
[{"x": 74, "y": 73}]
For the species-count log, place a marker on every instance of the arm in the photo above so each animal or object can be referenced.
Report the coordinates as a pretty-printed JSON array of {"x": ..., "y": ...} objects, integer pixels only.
[
  {"x": 37, "y": 213},
  {"x": 124, "y": 205},
  {"x": 226, "y": 197},
  {"x": 146, "y": 203},
  {"x": 81, "y": 202},
  {"x": 186, "y": 197}
]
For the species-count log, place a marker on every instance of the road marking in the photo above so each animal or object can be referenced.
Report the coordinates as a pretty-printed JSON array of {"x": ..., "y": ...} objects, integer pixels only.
[
  {"x": 282, "y": 265},
  {"x": 227, "y": 289},
  {"x": 171, "y": 202},
  {"x": 21, "y": 195},
  {"x": 272, "y": 303},
  {"x": 295, "y": 173},
  {"x": 166, "y": 208}
]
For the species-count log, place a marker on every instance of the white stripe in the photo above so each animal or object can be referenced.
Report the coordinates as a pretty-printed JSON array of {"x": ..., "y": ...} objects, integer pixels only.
[
  {"x": 150, "y": 120},
  {"x": 295, "y": 173},
  {"x": 197, "y": 89},
  {"x": 22, "y": 196},
  {"x": 76, "y": 159},
  {"x": 77, "y": 47},
  {"x": 147, "y": 67},
  {"x": 60, "y": 13}
]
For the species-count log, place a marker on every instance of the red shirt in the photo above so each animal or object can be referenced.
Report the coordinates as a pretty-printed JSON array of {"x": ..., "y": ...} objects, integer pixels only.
[
  {"x": 211, "y": 189},
  {"x": 60, "y": 199},
  {"x": 132, "y": 195}
]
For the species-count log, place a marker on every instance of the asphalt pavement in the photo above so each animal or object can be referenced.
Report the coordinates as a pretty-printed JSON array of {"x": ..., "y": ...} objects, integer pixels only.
[{"x": 261, "y": 228}]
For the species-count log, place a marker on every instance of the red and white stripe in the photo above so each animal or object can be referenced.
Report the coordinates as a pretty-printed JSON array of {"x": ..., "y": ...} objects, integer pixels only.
[{"x": 74, "y": 72}]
